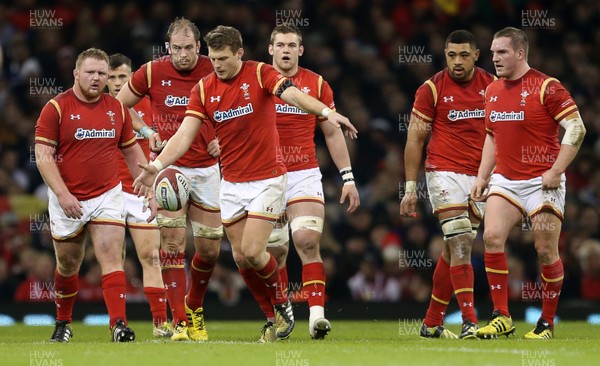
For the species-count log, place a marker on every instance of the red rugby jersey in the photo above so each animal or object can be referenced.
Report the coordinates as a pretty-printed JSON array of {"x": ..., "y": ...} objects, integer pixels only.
[
  {"x": 456, "y": 113},
  {"x": 242, "y": 110},
  {"x": 87, "y": 138},
  {"x": 296, "y": 127},
  {"x": 169, "y": 91},
  {"x": 523, "y": 115}
]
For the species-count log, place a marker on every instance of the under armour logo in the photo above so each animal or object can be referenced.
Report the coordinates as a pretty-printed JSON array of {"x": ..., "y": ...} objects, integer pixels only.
[
  {"x": 269, "y": 209},
  {"x": 317, "y": 293},
  {"x": 75, "y": 116},
  {"x": 498, "y": 287},
  {"x": 165, "y": 82},
  {"x": 449, "y": 99},
  {"x": 215, "y": 99},
  {"x": 122, "y": 296},
  {"x": 465, "y": 304},
  {"x": 493, "y": 99}
]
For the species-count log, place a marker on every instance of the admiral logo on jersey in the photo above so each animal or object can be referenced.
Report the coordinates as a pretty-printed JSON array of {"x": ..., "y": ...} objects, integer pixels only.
[
  {"x": 171, "y": 101},
  {"x": 454, "y": 115},
  {"x": 507, "y": 116},
  {"x": 289, "y": 109},
  {"x": 82, "y": 134},
  {"x": 219, "y": 116}
]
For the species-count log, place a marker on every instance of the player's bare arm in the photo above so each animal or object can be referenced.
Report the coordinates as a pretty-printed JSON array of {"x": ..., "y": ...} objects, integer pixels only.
[
  {"x": 572, "y": 140},
  {"x": 44, "y": 159},
  {"x": 304, "y": 101},
  {"x": 488, "y": 161},
  {"x": 418, "y": 130},
  {"x": 339, "y": 154},
  {"x": 175, "y": 148},
  {"x": 129, "y": 99}
]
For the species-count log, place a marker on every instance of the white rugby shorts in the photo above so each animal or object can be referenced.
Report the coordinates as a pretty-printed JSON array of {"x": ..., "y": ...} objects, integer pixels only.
[
  {"x": 528, "y": 196},
  {"x": 451, "y": 191},
  {"x": 205, "y": 186},
  {"x": 261, "y": 199},
  {"x": 106, "y": 209}
]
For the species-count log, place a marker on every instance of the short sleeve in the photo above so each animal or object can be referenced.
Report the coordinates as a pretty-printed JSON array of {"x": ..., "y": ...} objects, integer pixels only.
[
  {"x": 557, "y": 100},
  {"x": 196, "y": 106},
  {"x": 139, "y": 84},
  {"x": 424, "y": 105},
  {"x": 47, "y": 125},
  {"x": 127, "y": 135}
]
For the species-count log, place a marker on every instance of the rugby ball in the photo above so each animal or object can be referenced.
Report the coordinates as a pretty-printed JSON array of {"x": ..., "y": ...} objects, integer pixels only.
[{"x": 172, "y": 189}]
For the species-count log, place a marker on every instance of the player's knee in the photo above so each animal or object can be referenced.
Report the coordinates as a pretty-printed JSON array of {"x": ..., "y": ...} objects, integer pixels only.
[
  {"x": 208, "y": 253},
  {"x": 492, "y": 239},
  {"x": 306, "y": 231},
  {"x": 455, "y": 226},
  {"x": 240, "y": 260},
  {"x": 280, "y": 253},
  {"x": 67, "y": 265},
  {"x": 147, "y": 257},
  {"x": 547, "y": 252},
  {"x": 206, "y": 232},
  {"x": 308, "y": 247},
  {"x": 253, "y": 254}
]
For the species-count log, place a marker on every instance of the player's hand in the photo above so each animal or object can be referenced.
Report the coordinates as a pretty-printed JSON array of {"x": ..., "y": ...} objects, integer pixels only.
[
  {"x": 349, "y": 191},
  {"x": 145, "y": 180},
  {"x": 551, "y": 179},
  {"x": 408, "y": 205},
  {"x": 70, "y": 206},
  {"x": 213, "y": 148},
  {"x": 343, "y": 122},
  {"x": 156, "y": 144},
  {"x": 150, "y": 203},
  {"x": 479, "y": 191}
]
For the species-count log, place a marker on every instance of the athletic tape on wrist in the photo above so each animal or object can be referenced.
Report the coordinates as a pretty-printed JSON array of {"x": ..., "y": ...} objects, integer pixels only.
[
  {"x": 157, "y": 164},
  {"x": 147, "y": 132},
  {"x": 325, "y": 112}
]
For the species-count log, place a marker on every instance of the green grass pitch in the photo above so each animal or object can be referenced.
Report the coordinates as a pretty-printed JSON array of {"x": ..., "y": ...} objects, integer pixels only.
[{"x": 350, "y": 343}]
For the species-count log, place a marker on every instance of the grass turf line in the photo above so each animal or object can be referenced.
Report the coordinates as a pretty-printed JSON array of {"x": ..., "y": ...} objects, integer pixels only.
[{"x": 350, "y": 343}]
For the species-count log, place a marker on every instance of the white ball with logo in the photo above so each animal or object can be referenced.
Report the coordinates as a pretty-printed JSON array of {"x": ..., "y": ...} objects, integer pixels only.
[{"x": 172, "y": 189}]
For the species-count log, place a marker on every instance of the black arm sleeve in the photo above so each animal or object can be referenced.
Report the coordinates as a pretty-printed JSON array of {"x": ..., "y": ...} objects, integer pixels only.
[{"x": 286, "y": 84}]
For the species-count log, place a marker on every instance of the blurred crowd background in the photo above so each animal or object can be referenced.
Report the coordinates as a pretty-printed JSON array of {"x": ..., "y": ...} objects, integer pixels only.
[{"x": 372, "y": 255}]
